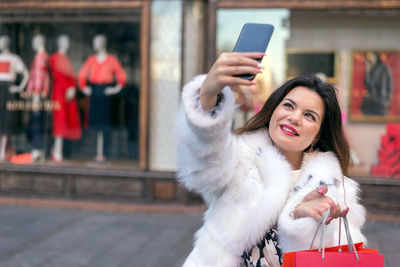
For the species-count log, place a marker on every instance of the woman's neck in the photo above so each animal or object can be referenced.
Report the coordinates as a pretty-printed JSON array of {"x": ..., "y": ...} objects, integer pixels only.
[{"x": 294, "y": 158}]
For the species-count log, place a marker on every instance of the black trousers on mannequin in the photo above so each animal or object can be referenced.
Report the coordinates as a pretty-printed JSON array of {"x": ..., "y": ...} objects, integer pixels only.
[{"x": 100, "y": 114}]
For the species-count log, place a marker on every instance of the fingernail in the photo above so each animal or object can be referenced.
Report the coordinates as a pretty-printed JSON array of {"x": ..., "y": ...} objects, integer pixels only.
[
  {"x": 261, "y": 54},
  {"x": 252, "y": 83},
  {"x": 321, "y": 190},
  {"x": 346, "y": 211},
  {"x": 332, "y": 205},
  {"x": 260, "y": 66},
  {"x": 328, "y": 220},
  {"x": 258, "y": 71}
]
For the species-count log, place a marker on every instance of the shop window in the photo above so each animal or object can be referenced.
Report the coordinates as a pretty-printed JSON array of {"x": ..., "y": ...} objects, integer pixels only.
[{"x": 80, "y": 100}]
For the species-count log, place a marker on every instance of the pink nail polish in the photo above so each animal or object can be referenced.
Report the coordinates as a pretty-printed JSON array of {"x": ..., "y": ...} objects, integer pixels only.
[
  {"x": 261, "y": 54},
  {"x": 258, "y": 71},
  {"x": 321, "y": 190},
  {"x": 252, "y": 83}
]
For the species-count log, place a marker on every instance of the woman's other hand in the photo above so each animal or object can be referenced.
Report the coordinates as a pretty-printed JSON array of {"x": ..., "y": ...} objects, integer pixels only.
[
  {"x": 224, "y": 72},
  {"x": 315, "y": 204}
]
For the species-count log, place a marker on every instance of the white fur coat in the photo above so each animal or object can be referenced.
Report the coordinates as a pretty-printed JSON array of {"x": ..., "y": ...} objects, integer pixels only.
[{"x": 246, "y": 184}]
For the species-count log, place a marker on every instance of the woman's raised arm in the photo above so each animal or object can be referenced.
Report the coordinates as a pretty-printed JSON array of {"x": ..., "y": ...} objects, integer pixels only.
[{"x": 206, "y": 146}]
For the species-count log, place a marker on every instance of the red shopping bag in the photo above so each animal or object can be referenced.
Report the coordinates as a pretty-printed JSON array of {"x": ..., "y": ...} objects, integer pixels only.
[
  {"x": 343, "y": 256},
  {"x": 333, "y": 258}
]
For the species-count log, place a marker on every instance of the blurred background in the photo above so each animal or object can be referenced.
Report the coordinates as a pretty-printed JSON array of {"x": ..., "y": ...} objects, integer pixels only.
[{"x": 73, "y": 193}]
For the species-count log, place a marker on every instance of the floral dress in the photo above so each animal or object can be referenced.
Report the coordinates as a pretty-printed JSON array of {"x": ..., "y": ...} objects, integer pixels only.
[{"x": 266, "y": 253}]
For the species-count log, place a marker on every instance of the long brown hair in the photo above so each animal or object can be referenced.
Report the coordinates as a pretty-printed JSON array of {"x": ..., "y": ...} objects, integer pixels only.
[{"x": 331, "y": 135}]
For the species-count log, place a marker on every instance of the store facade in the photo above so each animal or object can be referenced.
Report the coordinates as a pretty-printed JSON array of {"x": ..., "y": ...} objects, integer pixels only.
[{"x": 161, "y": 45}]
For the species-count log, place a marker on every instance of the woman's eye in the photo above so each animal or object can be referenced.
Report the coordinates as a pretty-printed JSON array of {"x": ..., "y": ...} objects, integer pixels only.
[
  {"x": 311, "y": 116},
  {"x": 288, "y": 105}
]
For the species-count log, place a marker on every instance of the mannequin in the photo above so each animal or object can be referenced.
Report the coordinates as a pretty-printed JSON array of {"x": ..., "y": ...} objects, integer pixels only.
[
  {"x": 96, "y": 80},
  {"x": 66, "y": 122},
  {"x": 38, "y": 89},
  {"x": 10, "y": 65}
]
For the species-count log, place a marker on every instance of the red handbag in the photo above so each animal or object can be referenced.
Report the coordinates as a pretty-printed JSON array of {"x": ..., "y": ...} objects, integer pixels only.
[{"x": 343, "y": 256}]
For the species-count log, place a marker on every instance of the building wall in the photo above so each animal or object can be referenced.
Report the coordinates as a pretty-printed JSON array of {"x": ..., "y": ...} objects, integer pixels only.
[
  {"x": 165, "y": 77},
  {"x": 344, "y": 31}
]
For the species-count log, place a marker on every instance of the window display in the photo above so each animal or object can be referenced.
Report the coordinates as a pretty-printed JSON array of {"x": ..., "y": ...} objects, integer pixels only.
[
  {"x": 80, "y": 100},
  {"x": 375, "y": 86}
]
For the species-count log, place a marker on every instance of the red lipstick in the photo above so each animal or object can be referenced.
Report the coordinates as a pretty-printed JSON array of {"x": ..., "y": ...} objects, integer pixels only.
[{"x": 286, "y": 129}]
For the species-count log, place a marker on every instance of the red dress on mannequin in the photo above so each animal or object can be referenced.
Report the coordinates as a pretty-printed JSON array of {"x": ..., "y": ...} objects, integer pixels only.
[{"x": 66, "y": 121}]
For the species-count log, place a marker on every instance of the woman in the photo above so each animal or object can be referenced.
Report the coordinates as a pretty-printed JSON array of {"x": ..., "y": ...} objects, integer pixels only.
[{"x": 285, "y": 167}]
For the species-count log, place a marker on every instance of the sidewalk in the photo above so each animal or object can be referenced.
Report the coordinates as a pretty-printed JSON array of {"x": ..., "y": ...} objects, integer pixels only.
[{"x": 58, "y": 237}]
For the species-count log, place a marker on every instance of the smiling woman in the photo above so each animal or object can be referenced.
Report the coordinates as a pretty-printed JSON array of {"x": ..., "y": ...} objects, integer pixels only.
[
  {"x": 268, "y": 184},
  {"x": 296, "y": 122}
]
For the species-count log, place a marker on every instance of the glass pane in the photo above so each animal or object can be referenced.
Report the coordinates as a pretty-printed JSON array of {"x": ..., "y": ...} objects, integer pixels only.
[{"x": 70, "y": 86}]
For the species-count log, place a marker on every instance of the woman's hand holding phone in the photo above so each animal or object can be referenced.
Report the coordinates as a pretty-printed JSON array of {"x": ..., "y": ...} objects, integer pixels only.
[{"x": 224, "y": 73}]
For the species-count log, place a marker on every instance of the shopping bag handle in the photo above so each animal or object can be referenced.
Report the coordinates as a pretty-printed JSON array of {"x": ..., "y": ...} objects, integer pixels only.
[{"x": 322, "y": 224}]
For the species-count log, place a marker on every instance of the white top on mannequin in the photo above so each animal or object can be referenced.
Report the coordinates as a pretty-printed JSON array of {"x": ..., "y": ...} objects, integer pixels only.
[
  {"x": 100, "y": 46},
  {"x": 63, "y": 45},
  {"x": 13, "y": 64}
]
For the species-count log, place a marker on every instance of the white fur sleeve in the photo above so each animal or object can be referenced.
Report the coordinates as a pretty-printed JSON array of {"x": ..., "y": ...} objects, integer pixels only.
[
  {"x": 297, "y": 234},
  {"x": 206, "y": 159}
]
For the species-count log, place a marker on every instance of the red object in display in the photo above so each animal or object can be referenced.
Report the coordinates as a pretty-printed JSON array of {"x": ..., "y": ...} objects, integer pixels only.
[
  {"x": 25, "y": 158},
  {"x": 389, "y": 153},
  {"x": 66, "y": 121},
  {"x": 104, "y": 72},
  {"x": 393, "y": 129},
  {"x": 39, "y": 78},
  {"x": 5, "y": 67}
]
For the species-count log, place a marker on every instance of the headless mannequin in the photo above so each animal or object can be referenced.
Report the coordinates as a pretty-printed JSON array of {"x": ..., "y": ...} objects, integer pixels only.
[
  {"x": 63, "y": 44},
  {"x": 5, "y": 52},
  {"x": 100, "y": 46}
]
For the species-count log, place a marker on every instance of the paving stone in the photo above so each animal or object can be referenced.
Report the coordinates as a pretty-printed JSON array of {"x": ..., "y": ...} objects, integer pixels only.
[{"x": 54, "y": 237}]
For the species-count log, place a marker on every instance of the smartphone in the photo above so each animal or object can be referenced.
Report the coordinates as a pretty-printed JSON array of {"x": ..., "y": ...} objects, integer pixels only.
[{"x": 254, "y": 37}]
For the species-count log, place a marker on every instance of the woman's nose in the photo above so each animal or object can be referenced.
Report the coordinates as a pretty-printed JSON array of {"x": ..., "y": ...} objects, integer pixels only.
[{"x": 295, "y": 118}]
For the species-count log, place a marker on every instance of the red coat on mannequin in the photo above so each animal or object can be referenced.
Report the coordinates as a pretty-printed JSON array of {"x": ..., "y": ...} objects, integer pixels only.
[{"x": 66, "y": 121}]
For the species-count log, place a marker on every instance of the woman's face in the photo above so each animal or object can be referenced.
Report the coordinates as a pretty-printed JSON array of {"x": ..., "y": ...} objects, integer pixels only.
[{"x": 296, "y": 121}]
